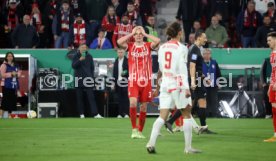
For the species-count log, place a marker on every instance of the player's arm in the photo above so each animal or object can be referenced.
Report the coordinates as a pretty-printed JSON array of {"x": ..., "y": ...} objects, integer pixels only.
[
  {"x": 157, "y": 82},
  {"x": 193, "y": 75},
  {"x": 155, "y": 40},
  {"x": 184, "y": 72},
  {"x": 122, "y": 42}
]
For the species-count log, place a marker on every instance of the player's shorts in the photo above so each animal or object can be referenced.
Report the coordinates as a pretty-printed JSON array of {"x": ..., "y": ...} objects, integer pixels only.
[
  {"x": 142, "y": 90},
  {"x": 198, "y": 93},
  {"x": 272, "y": 95},
  {"x": 176, "y": 98}
]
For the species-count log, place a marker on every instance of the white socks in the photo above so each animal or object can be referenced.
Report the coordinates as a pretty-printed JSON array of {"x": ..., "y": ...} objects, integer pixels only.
[
  {"x": 275, "y": 134},
  {"x": 159, "y": 122},
  {"x": 188, "y": 127},
  {"x": 195, "y": 125}
]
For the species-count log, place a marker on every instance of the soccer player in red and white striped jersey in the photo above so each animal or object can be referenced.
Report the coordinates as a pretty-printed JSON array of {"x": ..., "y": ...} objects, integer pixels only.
[
  {"x": 271, "y": 41},
  {"x": 140, "y": 75}
]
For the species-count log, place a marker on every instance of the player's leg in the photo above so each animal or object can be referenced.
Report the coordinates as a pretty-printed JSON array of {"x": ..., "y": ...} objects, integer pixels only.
[
  {"x": 274, "y": 119},
  {"x": 142, "y": 119},
  {"x": 202, "y": 116},
  {"x": 187, "y": 128},
  {"x": 145, "y": 97},
  {"x": 133, "y": 116},
  {"x": 133, "y": 95},
  {"x": 165, "y": 105},
  {"x": 170, "y": 122},
  {"x": 157, "y": 125},
  {"x": 272, "y": 99},
  {"x": 178, "y": 124},
  {"x": 202, "y": 111}
]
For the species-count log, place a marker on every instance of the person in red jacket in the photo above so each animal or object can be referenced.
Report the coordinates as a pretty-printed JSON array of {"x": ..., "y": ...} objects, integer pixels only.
[
  {"x": 109, "y": 22},
  {"x": 121, "y": 30}
]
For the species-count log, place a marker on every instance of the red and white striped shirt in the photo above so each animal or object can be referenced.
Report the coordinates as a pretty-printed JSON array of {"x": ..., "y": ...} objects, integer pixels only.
[
  {"x": 139, "y": 62},
  {"x": 120, "y": 31}
]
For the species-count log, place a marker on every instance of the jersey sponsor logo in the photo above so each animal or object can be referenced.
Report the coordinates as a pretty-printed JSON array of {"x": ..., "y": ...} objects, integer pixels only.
[
  {"x": 194, "y": 56},
  {"x": 139, "y": 54}
]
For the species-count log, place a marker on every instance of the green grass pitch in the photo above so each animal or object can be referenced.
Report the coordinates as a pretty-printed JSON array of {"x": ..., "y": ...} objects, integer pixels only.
[{"x": 109, "y": 140}]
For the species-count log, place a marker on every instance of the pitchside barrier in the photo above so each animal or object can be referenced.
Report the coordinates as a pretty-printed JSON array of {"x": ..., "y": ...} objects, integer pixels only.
[{"x": 242, "y": 64}]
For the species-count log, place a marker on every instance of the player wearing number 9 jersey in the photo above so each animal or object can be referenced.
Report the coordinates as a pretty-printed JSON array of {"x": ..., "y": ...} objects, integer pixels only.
[
  {"x": 174, "y": 89},
  {"x": 140, "y": 73}
]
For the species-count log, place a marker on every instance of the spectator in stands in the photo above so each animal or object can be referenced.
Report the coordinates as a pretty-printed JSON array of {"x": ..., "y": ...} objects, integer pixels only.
[
  {"x": 83, "y": 65},
  {"x": 216, "y": 34},
  {"x": 121, "y": 30},
  {"x": 120, "y": 73},
  {"x": 61, "y": 24},
  {"x": 25, "y": 35},
  {"x": 38, "y": 22},
  {"x": 10, "y": 73},
  {"x": 119, "y": 7},
  {"x": 191, "y": 39},
  {"x": 12, "y": 16},
  {"x": 78, "y": 32},
  {"x": 150, "y": 27},
  {"x": 220, "y": 19},
  {"x": 133, "y": 15},
  {"x": 95, "y": 12},
  {"x": 261, "y": 35},
  {"x": 248, "y": 22},
  {"x": 271, "y": 12},
  {"x": 262, "y": 4},
  {"x": 188, "y": 12},
  {"x": 223, "y": 7},
  {"x": 211, "y": 72},
  {"x": 145, "y": 10},
  {"x": 196, "y": 26},
  {"x": 110, "y": 21},
  {"x": 101, "y": 42},
  {"x": 50, "y": 13},
  {"x": 79, "y": 6}
]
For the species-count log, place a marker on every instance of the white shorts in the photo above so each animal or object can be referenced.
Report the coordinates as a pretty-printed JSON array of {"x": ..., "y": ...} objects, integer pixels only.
[{"x": 176, "y": 98}]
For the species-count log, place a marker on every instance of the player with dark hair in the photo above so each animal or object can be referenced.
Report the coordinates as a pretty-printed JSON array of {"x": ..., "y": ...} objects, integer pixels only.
[
  {"x": 271, "y": 41},
  {"x": 174, "y": 88},
  {"x": 196, "y": 77}
]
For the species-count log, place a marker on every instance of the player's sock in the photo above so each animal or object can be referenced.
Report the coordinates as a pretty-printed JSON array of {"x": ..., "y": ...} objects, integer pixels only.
[
  {"x": 176, "y": 115},
  {"x": 179, "y": 121},
  {"x": 187, "y": 128},
  {"x": 142, "y": 120},
  {"x": 159, "y": 122},
  {"x": 274, "y": 119},
  {"x": 195, "y": 125},
  {"x": 133, "y": 116},
  {"x": 202, "y": 116}
]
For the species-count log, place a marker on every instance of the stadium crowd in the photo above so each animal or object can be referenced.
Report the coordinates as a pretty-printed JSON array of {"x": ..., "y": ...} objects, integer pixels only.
[{"x": 100, "y": 23}]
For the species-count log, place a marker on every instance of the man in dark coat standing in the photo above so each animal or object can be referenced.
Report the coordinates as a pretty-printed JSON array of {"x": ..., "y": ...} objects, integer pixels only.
[
  {"x": 120, "y": 73},
  {"x": 25, "y": 35},
  {"x": 188, "y": 12},
  {"x": 83, "y": 65}
]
